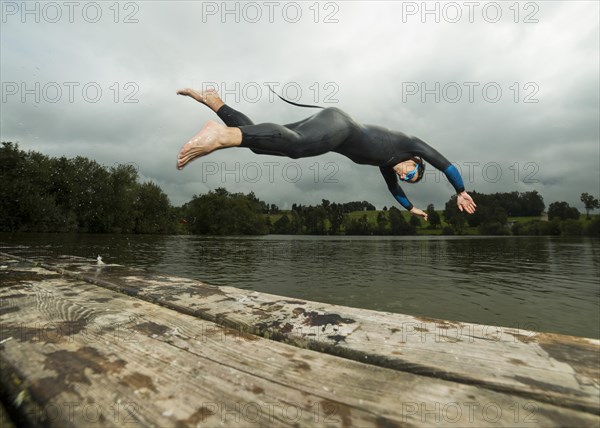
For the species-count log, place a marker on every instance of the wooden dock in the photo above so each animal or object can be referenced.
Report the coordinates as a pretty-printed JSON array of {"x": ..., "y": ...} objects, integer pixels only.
[{"x": 83, "y": 344}]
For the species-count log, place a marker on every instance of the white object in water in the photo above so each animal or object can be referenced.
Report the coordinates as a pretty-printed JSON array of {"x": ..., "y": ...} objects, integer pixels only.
[{"x": 99, "y": 260}]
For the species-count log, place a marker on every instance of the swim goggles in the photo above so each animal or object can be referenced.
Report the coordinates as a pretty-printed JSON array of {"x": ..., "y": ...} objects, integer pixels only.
[{"x": 409, "y": 176}]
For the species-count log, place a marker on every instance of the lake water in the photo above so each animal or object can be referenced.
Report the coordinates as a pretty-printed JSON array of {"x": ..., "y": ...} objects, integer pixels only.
[{"x": 539, "y": 283}]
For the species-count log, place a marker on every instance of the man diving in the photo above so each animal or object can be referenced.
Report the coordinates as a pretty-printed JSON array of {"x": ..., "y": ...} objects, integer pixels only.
[{"x": 397, "y": 155}]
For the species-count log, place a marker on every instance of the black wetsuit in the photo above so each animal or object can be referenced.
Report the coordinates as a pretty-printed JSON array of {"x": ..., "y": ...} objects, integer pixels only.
[{"x": 332, "y": 130}]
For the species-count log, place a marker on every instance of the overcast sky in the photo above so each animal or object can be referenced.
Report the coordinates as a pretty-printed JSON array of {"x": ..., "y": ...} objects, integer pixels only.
[{"x": 507, "y": 91}]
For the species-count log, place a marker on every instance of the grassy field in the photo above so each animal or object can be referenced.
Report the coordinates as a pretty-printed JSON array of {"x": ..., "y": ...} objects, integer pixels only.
[
  {"x": 372, "y": 219},
  {"x": 523, "y": 219},
  {"x": 582, "y": 219}
]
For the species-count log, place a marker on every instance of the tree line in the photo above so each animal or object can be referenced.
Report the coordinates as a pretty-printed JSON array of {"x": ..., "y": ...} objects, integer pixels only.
[
  {"x": 44, "y": 194},
  {"x": 493, "y": 211}
]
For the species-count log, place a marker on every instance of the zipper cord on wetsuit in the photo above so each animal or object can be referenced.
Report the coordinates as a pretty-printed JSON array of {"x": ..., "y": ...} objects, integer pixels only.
[{"x": 293, "y": 103}]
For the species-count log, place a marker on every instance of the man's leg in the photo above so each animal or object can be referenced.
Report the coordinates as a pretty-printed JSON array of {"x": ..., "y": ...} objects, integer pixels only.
[
  {"x": 211, "y": 99},
  {"x": 230, "y": 116},
  {"x": 319, "y": 134}
]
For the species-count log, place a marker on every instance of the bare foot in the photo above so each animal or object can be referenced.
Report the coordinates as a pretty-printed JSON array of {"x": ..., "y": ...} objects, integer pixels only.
[
  {"x": 209, "y": 139},
  {"x": 209, "y": 97}
]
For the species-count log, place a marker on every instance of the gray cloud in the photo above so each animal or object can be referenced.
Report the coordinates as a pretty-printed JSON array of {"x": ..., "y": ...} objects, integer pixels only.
[{"x": 367, "y": 64}]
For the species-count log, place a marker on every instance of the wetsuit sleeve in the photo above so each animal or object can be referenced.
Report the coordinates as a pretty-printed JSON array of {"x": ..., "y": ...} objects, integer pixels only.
[
  {"x": 435, "y": 158},
  {"x": 392, "y": 183},
  {"x": 454, "y": 178}
]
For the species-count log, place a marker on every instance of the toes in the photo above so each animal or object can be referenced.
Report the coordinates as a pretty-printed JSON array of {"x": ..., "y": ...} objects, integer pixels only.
[
  {"x": 184, "y": 158},
  {"x": 184, "y": 161},
  {"x": 181, "y": 162},
  {"x": 184, "y": 149}
]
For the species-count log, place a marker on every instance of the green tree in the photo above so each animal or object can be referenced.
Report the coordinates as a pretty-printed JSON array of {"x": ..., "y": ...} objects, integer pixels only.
[
  {"x": 590, "y": 203},
  {"x": 493, "y": 219},
  {"x": 382, "y": 222},
  {"x": 562, "y": 211},
  {"x": 61, "y": 189},
  {"x": 532, "y": 204},
  {"x": 360, "y": 226},
  {"x": 297, "y": 222},
  {"x": 283, "y": 226},
  {"x": 151, "y": 210},
  {"x": 336, "y": 217},
  {"x": 123, "y": 181},
  {"x": 314, "y": 220},
  {"x": 454, "y": 216},
  {"x": 433, "y": 217},
  {"x": 13, "y": 185},
  {"x": 398, "y": 224},
  {"x": 414, "y": 221},
  {"x": 222, "y": 213},
  {"x": 27, "y": 202},
  {"x": 94, "y": 195}
]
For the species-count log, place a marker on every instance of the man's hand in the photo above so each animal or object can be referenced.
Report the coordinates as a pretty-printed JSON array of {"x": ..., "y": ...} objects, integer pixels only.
[
  {"x": 465, "y": 203},
  {"x": 418, "y": 213}
]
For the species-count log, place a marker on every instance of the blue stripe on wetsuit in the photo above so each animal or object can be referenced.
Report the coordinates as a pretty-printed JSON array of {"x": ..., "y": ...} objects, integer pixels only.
[
  {"x": 454, "y": 178},
  {"x": 401, "y": 197}
]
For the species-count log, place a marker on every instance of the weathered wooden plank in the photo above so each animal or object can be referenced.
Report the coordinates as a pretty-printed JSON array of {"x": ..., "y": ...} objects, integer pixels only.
[
  {"x": 555, "y": 368},
  {"x": 88, "y": 345},
  {"x": 5, "y": 420},
  {"x": 140, "y": 373}
]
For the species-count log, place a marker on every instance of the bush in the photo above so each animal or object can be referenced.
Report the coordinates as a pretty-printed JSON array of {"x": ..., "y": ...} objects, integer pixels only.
[
  {"x": 571, "y": 228},
  {"x": 359, "y": 226},
  {"x": 593, "y": 228},
  {"x": 447, "y": 230},
  {"x": 536, "y": 228},
  {"x": 493, "y": 229}
]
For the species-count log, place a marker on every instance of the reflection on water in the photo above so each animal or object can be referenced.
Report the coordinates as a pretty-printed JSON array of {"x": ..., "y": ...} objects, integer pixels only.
[{"x": 538, "y": 283}]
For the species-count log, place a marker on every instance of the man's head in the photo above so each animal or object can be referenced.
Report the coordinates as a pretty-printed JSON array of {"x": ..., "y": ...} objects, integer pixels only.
[{"x": 410, "y": 171}]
